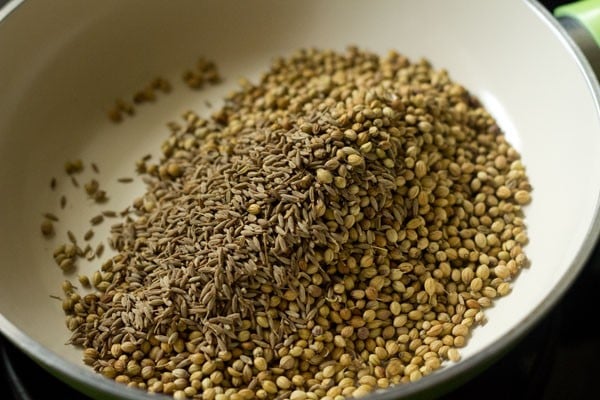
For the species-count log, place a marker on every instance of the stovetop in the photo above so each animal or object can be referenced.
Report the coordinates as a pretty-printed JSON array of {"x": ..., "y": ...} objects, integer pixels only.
[{"x": 556, "y": 360}]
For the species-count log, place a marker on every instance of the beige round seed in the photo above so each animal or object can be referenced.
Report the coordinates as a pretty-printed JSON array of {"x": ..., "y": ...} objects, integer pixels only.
[
  {"x": 420, "y": 169},
  {"x": 84, "y": 280},
  {"x": 287, "y": 362},
  {"x": 476, "y": 284},
  {"x": 460, "y": 330},
  {"x": 453, "y": 355},
  {"x": 391, "y": 235},
  {"x": 366, "y": 147},
  {"x": 502, "y": 271},
  {"x": 415, "y": 375},
  {"x": 389, "y": 163},
  {"x": 362, "y": 390},
  {"x": 366, "y": 261},
  {"x": 480, "y": 240},
  {"x": 260, "y": 363},
  {"x": 283, "y": 382},
  {"x": 503, "y": 289},
  {"x": 435, "y": 330},
  {"x": 355, "y": 160},
  {"x": 324, "y": 176},
  {"x": 128, "y": 347},
  {"x": 254, "y": 209},
  {"x": 269, "y": 387},
  {"x": 430, "y": 286},
  {"x": 503, "y": 192},
  {"x": 483, "y": 272},
  {"x": 467, "y": 275},
  {"x": 298, "y": 395},
  {"x": 329, "y": 371},
  {"x": 174, "y": 170},
  {"x": 339, "y": 182},
  {"x": 522, "y": 197}
]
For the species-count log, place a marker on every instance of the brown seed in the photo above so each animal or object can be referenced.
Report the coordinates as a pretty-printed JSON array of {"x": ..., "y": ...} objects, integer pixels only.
[
  {"x": 88, "y": 235},
  {"x": 47, "y": 228},
  {"x": 96, "y": 220},
  {"x": 366, "y": 261},
  {"x": 72, "y": 167},
  {"x": 84, "y": 280},
  {"x": 51, "y": 217}
]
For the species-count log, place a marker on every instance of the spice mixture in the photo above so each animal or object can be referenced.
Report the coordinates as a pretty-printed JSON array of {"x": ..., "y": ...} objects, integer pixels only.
[{"x": 336, "y": 228}]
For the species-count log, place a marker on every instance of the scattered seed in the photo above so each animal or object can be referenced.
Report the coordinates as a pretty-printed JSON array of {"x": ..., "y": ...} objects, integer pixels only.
[
  {"x": 145, "y": 95},
  {"x": 72, "y": 237},
  {"x": 115, "y": 115},
  {"x": 47, "y": 228},
  {"x": 91, "y": 187},
  {"x": 96, "y": 220},
  {"x": 453, "y": 355},
  {"x": 125, "y": 107},
  {"x": 100, "y": 196},
  {"x": 99, "y": 250},
  {"x": 51, "y": 217},
  {"x": 162, "y": 84},
  {"x": 204, "y": 72},
  {"x": 72, "y": 167},
  {"x": 84, "y": 281},
  {"x": 88, "y": 235}
]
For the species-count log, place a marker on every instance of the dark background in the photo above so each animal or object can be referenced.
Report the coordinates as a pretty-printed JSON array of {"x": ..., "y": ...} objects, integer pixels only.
[{"x": 558, "y": 359}]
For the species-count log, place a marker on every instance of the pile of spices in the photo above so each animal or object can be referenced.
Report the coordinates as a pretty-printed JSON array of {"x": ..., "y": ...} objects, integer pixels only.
[{"x": 337, "y": 228}]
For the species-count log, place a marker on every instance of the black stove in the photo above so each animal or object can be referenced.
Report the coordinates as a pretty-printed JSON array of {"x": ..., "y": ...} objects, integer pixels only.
[{"x": 553, "y": 361}]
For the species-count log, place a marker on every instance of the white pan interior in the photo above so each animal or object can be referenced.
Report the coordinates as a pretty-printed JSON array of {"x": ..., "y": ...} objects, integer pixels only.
[{"x": 63, "y": 63}]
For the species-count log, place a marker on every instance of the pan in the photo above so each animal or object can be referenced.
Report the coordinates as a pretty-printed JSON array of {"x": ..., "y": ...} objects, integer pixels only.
[{"x": 64, "y": 63}]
